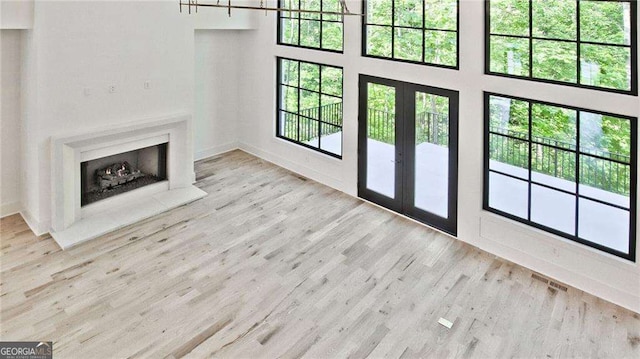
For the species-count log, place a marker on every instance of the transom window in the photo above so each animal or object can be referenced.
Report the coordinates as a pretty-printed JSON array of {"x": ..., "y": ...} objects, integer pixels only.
[
  {"x": 316, "y": 31},
  {"x": 588, "y": 43},
  {"x": 419, "y": 31},
  {"x": 310, "y": 105},
  {"x": 569, "y": 171}
]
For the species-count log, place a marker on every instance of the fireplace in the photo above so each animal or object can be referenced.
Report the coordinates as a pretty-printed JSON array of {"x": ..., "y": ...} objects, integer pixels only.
[
  {"x": 94, "y": 174},
  {"x": 105, "y": 177}
]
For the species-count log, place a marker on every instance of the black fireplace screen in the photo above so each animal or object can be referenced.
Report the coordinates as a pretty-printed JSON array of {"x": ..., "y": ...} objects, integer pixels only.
[{"x": 113, "y": 175}]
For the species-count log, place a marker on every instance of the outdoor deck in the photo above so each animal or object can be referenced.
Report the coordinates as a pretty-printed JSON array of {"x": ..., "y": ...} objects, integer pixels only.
[{"x": 599, "y": 223}]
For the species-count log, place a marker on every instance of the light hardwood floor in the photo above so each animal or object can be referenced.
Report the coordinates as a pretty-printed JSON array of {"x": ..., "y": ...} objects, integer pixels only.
[{"x": 274, "y": 265}]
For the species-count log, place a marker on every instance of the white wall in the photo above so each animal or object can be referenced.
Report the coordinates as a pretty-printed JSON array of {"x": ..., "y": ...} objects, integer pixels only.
[
  {"x": 29, "y": 196},
  {"x": 599, "y": 273},
  {"x": 216, "y": 92},
  {"x": 10, "y": 109},
  {"x": 16, "y": 14}
]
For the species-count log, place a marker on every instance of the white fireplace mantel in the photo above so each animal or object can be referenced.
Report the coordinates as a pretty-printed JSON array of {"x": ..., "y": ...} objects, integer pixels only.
[{"x": 73, "y": 223}]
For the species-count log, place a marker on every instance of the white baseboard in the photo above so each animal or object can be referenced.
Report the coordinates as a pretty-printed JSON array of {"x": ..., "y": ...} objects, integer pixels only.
[
  {"x": 217, "y": 150},
  {"x": 38, "y": 228},
  {"x": 302, "y": 170},
  {"x": 7, "y": 209}
]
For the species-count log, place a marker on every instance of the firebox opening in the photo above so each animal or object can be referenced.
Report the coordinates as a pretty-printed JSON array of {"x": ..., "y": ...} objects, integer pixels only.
[{"x": 113, "y": 175}]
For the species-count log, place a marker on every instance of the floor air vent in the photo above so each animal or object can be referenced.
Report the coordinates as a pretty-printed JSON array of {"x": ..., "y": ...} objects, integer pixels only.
[
  {"x": 558, "y": 286},
  {"x": 540, "y": 278},
  {"x": 551, "y": 283}
]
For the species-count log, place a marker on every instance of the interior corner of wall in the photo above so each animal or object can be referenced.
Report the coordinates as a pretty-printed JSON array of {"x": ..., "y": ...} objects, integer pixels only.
[
  {"x": 8, "y": 209},
  {"x": 38, "y": 228}
]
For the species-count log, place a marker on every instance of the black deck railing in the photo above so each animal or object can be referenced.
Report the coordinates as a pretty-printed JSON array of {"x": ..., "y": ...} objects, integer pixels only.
[
  {"x": 430, "y": 127},
  {"x": 600, "y": 169},
  {"x": 311, "y": 123}
]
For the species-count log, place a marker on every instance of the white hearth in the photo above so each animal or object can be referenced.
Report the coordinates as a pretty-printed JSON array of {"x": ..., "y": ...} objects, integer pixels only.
[{"x": 73, "y": 223}]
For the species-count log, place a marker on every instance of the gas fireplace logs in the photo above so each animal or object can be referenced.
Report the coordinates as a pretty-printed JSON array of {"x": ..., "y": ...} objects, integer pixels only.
[{"x": 117, "y": 174}]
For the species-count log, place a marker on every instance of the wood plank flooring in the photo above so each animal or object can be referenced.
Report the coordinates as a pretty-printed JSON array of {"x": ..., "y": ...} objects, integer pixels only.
[{"x": 273, "y": 265}]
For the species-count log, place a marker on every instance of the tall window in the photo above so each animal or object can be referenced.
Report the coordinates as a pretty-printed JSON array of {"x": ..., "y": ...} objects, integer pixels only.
[
  {"x": 419, "y": 31},
  {"x": 569, "y": 171},
  {"x": 316, "y": 31},
  {"x": 310, "y": 105},
  {"x": 588, "y": 43}
]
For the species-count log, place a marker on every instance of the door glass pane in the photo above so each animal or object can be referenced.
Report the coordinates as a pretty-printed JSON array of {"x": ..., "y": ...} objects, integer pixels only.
[
  {"x": 432, "y": 153},
  {"x": 381, "y": 127}
]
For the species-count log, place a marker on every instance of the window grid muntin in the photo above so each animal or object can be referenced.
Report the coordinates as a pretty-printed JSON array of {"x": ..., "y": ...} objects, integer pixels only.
[
  {"x": 632, "y": 46},
  {"x": 280, "y": 110},
  {"x": 298, "y": 17},
  {"x": 632, "y": 165},
  {"x": 549, "y": 39},
  {"x": 423, "y": 29}
]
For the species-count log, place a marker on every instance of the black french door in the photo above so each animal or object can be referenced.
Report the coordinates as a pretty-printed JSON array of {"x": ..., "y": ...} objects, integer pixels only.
[{"x": 408, "y": 150}]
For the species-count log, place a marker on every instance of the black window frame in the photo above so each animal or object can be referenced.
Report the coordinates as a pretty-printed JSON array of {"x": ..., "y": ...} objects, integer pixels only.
[
  {"x": 279, "y": 30},
  {"x": 633, "y": 46},
  {"x": 279, "y": 110},
  {"x": 392, "y": 26},
  {"x": 633, "y": 178}
]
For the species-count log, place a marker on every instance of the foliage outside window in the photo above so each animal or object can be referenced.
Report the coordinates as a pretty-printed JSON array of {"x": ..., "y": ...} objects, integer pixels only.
[
  {"x": 566, "y": 170},
  {"x": 419, "y": 31},
  {"x": 310, "y": 105},
  {"x": 589, "y": 43},
  {"x": 432, "y": 116},
  {"x": 310, "y": 30}
]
